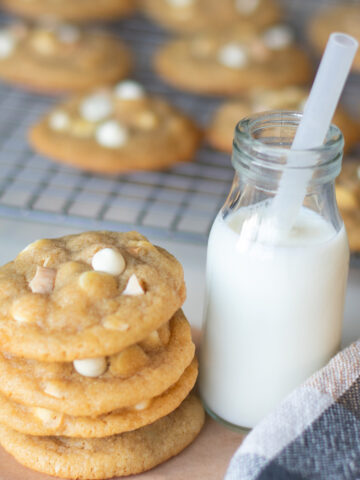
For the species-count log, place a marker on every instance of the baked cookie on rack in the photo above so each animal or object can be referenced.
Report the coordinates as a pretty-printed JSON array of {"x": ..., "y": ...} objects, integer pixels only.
[
  {"x": 68, "y": 10},
  {"x": 339, "y": 18},
  {"x": 117, "y": 455},
  {"x": 233, "y": 60},
  {"x": 221, "y": 129},
  {"x": 189, "y": 16},
  {"x": 87, "y": 295},
  {"x": 116, "y": 129},
  {"x": 55, "y": 58},
  {"x": 348, "y": 198}
]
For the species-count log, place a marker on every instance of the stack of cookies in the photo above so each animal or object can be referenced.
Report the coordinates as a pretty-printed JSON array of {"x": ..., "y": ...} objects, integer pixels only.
[{"x": 97, "y": 360}]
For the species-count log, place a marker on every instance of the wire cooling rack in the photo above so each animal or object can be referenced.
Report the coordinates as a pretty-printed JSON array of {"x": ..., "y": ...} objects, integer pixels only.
[{"x": 178, "y": 203}]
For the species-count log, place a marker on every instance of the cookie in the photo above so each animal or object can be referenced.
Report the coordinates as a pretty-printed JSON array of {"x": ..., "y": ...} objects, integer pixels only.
[
  {"x": 347, "y": 189},
  {"x": 116, "y": 129},
  {"x": 40, "y": 421},
  {"x": 339, "y": 18},
  {"x": 87, "y": 295},
  {"x": 80, "y": 11},
  {"x": 233, "y": 60},
  {"x": 136, "y": 374},
  {"x": 118, "y": 455},
  {"x": 54, "y": 58},
  {"x": 188, "y": 16},
  {"x": 221, "y": 129}
]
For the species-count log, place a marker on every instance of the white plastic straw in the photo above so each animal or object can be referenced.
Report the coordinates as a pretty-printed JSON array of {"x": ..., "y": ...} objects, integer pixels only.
[{"x": 318, "y": 112}]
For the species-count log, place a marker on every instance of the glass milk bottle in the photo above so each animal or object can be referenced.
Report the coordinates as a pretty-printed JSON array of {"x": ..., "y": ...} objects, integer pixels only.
[{"x": 274, "y": 301}]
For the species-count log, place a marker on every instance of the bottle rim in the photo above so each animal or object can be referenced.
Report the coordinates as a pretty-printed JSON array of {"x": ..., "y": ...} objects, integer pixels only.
[{"x": 248, "y": 148}]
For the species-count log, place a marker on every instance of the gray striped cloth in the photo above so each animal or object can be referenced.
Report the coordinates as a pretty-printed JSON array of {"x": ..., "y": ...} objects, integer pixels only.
[{"x": 313, "y": 434}]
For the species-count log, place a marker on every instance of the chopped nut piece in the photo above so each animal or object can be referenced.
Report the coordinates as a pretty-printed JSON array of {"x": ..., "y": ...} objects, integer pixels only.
[
  {"x": 48, "y": 417},
  {"x": 82, "y": 128},
  {"x": 98, "y": 284},
  {"x": 43, "y": 280},
  {"x": 29, "y": 308},
  {"x": 142, "y": 405},
  {"x": 147, "y": 120},
  {"x": 54, "y": 389},
  {"x": 113, "y": 322},
  {"x": 133, "y": 287},
  {"x": 128, "y": 362},
  {"x": 152, "y": 341}
]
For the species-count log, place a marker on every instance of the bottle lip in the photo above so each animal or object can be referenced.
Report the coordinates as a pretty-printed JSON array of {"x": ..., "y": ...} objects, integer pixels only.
[{"x": 274, "y": 156}]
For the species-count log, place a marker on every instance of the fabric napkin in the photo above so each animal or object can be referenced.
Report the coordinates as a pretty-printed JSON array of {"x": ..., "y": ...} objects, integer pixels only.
[{"x": 313, "y": 434}]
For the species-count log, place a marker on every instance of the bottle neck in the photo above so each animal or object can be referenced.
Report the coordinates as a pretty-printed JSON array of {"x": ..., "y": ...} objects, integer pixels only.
[{"x": 261, "y": 152}]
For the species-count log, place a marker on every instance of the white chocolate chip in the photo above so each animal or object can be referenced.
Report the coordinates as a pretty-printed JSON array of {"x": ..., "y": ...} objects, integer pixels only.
[
  {"x": 129, "y": 90},
  {"x": 91, "y": 367},
  {"x": 96, "y": 107},
  {"x": 233, "y": 55},
  {"x": 142, "y": 405},
  {"x": 43, "y": 280},
  {"x": 109, "y": 261},
  {"x": 133, "y": 287},
  {"x": 48, "y": 416},
  {"x": 59, "y": 121},
  {"x": 7, "y": 44},
  {"x": 180, "y": 3},
  {"x": 279, "y": 37},
  {"x": 111, "y": 134},
  {"x": 68, "y": 33},
  {"x": 246, "y": 7}
]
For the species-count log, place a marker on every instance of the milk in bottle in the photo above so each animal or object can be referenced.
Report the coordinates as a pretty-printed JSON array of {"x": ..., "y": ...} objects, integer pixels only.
[{"x": 274, "y": 306}]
